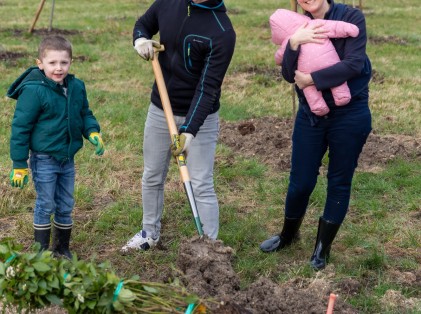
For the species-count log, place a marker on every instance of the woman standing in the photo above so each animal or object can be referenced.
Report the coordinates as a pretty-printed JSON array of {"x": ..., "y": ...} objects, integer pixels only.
[{"x": 342, "y": 132}]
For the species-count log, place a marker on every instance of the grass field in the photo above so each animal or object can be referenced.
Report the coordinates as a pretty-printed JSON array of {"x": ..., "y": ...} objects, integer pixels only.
[{"x": 378, "y": 245}]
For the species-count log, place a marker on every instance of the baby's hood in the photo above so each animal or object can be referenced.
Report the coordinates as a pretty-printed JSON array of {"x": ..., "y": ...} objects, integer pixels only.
[
  {"x": 284, "y": 23},
  {"x": 32, "y": 76}
]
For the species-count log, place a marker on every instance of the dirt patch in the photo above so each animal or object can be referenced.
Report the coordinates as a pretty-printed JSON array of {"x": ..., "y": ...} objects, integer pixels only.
[
  {"x": 12, "y": 58},
  {"x": 48, "y": 310},
  {"x": 269, "y": 140},
  {"x": 8, "y": 55},
  {"x": 46, "y": 32},
  {"x": 395, "y": 302},
  {"x": 6, "y": 224},
  {"x": 207, "y": 271},
  {"x": 377, "y": 40}
]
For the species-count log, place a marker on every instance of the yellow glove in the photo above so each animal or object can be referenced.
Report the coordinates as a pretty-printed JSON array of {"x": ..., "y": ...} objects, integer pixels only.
[
  {"x": 96, "y": 139},
  {"x": 184, "y": 144},
  {"x": 19, "y": 177}
]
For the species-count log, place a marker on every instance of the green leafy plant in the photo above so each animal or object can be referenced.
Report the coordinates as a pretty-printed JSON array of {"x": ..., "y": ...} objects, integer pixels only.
[
  {"x": 35, "y": 280},
  {"x": 27, "y": 280}
]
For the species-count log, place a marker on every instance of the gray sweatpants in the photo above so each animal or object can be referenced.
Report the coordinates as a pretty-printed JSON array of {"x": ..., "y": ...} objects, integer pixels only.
[{"x": 200, "y": 164}]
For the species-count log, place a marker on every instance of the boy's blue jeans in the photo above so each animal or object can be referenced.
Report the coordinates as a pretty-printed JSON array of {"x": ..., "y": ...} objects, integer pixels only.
[
  {"x": 344, "y": 132},
  {"x": 200, "y": 163},
  {"x": 54, "y": 184}
]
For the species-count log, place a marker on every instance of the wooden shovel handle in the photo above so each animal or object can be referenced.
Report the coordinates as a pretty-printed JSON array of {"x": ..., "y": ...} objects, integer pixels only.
[
  {"x": 172, "y": 127},
  {"x": 166, "y": 104}
]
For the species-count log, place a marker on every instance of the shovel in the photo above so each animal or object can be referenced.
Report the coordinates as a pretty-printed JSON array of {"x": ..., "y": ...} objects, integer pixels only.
[{"x": 181, "y": 159}]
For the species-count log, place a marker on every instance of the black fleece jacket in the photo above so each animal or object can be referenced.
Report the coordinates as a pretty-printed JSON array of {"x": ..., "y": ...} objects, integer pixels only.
[{"x": 199, "y": 42}]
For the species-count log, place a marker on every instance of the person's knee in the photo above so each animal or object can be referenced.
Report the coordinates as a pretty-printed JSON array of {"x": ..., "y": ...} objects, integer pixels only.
[
  {"x": 44, "y": 211},
  {"x": 339, "y": 188},
  {"x": 45, "y": 207},
  {"x": 63, "y": 214},
  {"x": 153, "y": 182},
  {"x": 301, "y": 190},
  {"x": 203, "y": 190}
]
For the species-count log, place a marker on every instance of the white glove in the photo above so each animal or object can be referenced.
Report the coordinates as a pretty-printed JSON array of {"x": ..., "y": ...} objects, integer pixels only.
[{"x": 144, "y": 47}]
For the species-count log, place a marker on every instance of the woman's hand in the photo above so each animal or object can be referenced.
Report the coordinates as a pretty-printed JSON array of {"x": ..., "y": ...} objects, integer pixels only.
[
  {"x": 302, "y": 79},
  {"x": 305, "y": 34}
]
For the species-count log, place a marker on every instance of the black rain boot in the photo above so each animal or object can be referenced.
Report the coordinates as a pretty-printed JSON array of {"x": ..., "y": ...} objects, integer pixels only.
[
  {"x": 62, "y": 240},
  {"x": 326, "y": 233},
  {"x": 42, "y": 236},
  {"x": 288, "y": 235}
]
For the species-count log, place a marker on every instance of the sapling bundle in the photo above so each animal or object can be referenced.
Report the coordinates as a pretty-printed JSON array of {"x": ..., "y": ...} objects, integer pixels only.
[{"x": 34, "y": 280}]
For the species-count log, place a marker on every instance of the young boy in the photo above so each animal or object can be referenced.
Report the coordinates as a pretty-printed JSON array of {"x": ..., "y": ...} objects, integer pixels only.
[{"x": 51, "y": 118}]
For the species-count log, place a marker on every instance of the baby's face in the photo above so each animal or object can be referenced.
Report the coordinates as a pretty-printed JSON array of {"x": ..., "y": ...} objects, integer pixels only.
[{"x": 56, "y": 64}]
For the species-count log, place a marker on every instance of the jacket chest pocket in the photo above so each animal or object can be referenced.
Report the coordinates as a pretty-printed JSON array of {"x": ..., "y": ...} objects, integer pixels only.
[{"x": 196, "y": 52}]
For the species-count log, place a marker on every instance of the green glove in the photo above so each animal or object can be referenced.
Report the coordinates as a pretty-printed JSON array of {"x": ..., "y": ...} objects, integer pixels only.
[
  {"x": 19, "y": 177},
  {"x": 184, "y": 144},
  {"x": 96, "y": 139}
]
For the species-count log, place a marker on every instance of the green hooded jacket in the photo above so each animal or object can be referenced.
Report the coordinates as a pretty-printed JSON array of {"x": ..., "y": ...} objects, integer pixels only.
[{"x": 45, "y": 120}]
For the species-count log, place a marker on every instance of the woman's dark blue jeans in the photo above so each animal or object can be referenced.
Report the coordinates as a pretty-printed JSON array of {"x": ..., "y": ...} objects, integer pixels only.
[{"x": 343, "y": 132}]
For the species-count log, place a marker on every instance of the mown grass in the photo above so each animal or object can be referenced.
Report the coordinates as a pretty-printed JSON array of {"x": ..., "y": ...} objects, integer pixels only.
[{"x": 382, "y": 230}]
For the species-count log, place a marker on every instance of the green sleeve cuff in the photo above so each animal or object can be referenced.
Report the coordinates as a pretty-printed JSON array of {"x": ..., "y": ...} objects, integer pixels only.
[
  {"x": 90, "y": 131},
  {"x": 20, "y": 164}
]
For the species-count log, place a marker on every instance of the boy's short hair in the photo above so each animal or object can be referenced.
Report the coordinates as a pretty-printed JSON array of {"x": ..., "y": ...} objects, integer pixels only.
[{"x": 54, "y": 42}]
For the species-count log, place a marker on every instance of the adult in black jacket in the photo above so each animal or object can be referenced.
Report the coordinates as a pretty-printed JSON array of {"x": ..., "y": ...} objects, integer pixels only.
[
  {"x": 199, "y": 43},
  {"x": 343, "y": 131}
]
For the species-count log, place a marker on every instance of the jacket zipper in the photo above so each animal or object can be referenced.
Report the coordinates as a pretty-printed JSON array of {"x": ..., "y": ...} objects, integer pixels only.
[
  {"x": 188, "y": 55},
  {"x": 68, "y": 121}
]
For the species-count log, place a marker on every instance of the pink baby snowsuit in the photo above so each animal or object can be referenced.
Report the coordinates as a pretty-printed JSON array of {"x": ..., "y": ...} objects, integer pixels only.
[{"x": 312, "y": 57}]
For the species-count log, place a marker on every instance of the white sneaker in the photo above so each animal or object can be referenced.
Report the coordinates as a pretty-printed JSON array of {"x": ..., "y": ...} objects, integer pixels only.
[{"x": 140, "y": 241}]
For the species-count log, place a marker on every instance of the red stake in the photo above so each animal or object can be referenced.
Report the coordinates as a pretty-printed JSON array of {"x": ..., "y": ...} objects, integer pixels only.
[{"x": 331, "y": 303}]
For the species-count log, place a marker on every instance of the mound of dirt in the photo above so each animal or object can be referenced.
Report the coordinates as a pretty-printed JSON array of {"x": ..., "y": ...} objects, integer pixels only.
[
  {"x": 269, "y": 140},
  {"x": 207, "y": 271},
  {"x": 207, "y": 265}
]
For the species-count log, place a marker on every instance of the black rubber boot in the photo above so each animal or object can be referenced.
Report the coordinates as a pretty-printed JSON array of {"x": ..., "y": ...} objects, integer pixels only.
[
  {"x": 62, "y": 240},
  {"x": 325, "y": 235},
  {"x": 42, "y": 236},
  {"x": 288, "y": 235}
]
